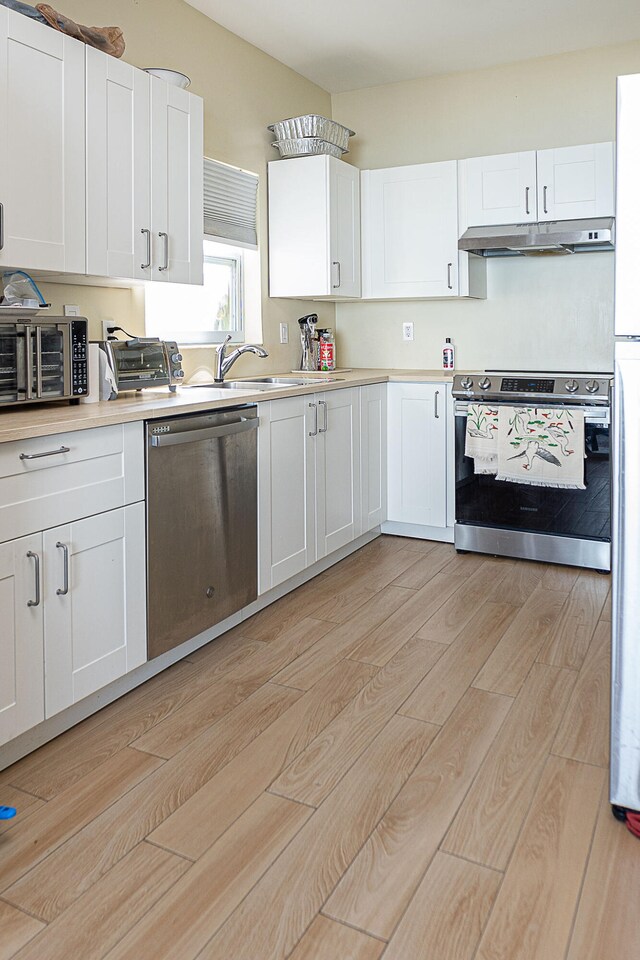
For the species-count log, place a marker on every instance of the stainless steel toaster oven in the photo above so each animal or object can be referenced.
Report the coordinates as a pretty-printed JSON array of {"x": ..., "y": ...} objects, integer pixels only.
[
  {"x": 145, "y": 362},
  {"x": 42, "y": 359}
]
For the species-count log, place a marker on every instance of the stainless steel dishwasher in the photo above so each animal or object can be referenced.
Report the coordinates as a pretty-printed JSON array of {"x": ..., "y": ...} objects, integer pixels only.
[{"x": 202, "y": 514}]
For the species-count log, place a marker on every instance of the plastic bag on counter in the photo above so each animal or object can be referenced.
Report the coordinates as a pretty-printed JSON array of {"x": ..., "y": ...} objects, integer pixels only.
[{"x": 21, "y": 290}]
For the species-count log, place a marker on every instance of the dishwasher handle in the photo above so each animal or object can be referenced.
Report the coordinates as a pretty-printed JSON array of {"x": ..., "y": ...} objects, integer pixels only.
[{"x": 206, "y": 433}]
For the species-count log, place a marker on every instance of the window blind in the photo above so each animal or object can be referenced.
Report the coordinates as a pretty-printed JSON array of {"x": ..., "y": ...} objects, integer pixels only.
[{"x": 230, "y": 198}]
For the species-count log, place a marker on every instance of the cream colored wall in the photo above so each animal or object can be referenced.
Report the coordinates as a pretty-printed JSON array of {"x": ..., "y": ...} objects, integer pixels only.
[
  {"x": 552, "y": 313},
  {"x": 243, "y": 91}
]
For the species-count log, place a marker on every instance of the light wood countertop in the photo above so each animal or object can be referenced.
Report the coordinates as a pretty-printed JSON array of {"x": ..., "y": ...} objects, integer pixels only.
[{"x": 49, "y": 418}]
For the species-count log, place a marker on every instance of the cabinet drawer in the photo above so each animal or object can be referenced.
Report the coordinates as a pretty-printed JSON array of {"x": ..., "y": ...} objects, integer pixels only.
[{"x": 52, "y": 480}]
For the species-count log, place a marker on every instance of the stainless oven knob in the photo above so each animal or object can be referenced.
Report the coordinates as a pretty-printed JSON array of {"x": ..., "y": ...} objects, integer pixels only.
[
  {"x": 466, "y": 383},
  {"x": 592, "y": 386},
  {"x": 571, "y": 386},
  {"x": 485, "y": 383},
  {"x": 178, "y": 374},
  {"x": 176, "y": 358}
]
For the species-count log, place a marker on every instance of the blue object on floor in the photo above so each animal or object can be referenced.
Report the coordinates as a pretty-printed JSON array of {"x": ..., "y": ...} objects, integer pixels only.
[{"x": 7, "y": 812}]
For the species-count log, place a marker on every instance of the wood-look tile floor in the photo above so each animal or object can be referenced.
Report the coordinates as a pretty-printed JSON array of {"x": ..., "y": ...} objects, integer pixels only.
[{"x": 405, "y": 758}]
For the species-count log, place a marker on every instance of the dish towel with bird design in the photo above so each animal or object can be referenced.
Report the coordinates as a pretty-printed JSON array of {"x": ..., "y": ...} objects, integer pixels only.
[
  {"x": 481, "y": 440},
  {"x": 541, "y": 446}
]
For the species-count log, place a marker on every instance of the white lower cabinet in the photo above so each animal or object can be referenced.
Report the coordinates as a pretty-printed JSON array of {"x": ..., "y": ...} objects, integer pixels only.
[
  {"x": 337, "y": 470},
  {"x": 308, "y": 481},
  {"x": 94, "y": 604},
  {"x": 373, "y": 455},
  {"x": 22, "y": 666},
  {"x": 73, "y": 603},
  {"x": 286, "y": 490},
  {"x": 418, "y": 415},
  {"x": 72, "y": 569}
]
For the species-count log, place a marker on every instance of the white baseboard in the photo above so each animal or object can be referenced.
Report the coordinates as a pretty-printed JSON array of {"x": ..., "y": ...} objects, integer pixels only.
[{"x": 417, "y": 530}]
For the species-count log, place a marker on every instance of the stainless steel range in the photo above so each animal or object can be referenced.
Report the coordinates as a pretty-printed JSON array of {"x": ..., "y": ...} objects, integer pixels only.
[{"x": 522, "y": 519}]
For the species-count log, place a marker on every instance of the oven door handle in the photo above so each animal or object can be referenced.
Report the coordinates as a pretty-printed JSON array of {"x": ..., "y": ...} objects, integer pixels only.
[{"x": 598, "y": 415}]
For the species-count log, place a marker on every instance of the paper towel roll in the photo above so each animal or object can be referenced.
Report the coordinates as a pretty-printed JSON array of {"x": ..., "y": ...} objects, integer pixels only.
[{"x": 94, "y": 375}]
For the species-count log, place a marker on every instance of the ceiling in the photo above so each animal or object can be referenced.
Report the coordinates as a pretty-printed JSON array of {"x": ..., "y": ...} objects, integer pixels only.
[{"x": 350, "y": 44}]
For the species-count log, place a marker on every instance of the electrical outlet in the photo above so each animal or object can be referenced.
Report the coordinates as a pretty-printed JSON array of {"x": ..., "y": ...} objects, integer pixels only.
[
  {"x": 407, "y": 331},
  {"x": 105, "y": 332},
  {"x": 71, "y": 310},
  {"x": 284, "y": 333}
]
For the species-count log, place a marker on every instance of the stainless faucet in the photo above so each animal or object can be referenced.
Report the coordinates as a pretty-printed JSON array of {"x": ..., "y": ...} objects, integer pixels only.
[{"x": 224, "y": 363}]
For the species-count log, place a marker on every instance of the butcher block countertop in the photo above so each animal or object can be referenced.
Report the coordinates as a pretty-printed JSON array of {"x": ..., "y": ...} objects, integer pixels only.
[{"x": 21, "y": 423}]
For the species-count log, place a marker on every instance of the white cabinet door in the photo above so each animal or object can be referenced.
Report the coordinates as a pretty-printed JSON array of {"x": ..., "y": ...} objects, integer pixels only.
[
  {"x": 176, "y": 183},
  {"x": 417, "y": 471},
  {"x": 21, "y": 671},
  {"x": 95, "y": 604},
  {"x": 575, "y": 182},
  {"x": 410, "y": 231},
  {"x": 344, "y": 215},
  {"x": 286, "y": 489},
  {"x": 118, "y": 191},
  {"x": 314, "y": 228},
  {"x": 500, "y": 189},
  {"x": 337, "y": 470},
  {"x": 373, "y": 455},
  {"x": 42, "y": 146}
]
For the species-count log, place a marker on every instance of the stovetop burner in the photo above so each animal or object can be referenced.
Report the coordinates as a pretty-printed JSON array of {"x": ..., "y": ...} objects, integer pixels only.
[{"x": 536, "y": 387}]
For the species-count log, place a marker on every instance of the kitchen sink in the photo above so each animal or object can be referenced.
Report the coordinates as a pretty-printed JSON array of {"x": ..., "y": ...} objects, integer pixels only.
[
  {"x": 295, "y": 381},
  {"x": 264, "y": 383},
  {"x": 235, "y": 385}
]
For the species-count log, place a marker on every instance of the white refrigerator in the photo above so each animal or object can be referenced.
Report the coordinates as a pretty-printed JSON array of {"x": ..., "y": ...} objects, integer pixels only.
[{"x": 625, "y": 705}]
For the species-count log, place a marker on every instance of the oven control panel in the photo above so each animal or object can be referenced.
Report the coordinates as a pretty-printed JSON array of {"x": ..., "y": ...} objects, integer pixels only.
[
  {"x": 533, "y": 388},
  {"x": 520, "y": 385}
]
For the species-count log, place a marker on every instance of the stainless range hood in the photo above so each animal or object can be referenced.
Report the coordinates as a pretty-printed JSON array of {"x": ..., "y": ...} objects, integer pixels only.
[{"x": 540, "y": 239}]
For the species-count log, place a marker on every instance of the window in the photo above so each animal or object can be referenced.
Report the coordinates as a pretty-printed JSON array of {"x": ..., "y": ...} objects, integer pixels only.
[{"x": 230, "y": 298}]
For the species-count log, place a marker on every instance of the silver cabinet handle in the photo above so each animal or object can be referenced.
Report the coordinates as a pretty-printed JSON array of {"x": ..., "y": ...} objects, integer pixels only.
[
  {"x": 435, "y": 405},
  {"x": 144, "y": 266},
  {"x": 526, "y": 200},
  {"x": 544, "y": 199},
  {"x": 336, "y": 263},
  {"x": 449, "y": 283},
  {"x": 165, "y": 237},
  {"x": 323, "y": 403},
  {"x": 62, "y": 592},
  {"x": 47, "y": 453},
  {"x": 34, "y": 556},
  {"x": 314, "y": 432},
  {"x": 1, "y": 225}
]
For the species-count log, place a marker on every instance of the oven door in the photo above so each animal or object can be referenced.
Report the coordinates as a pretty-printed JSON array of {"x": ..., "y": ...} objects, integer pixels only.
[
  {"x": 483, "y": 501},
  {"x": 14, "y": 384},
  {"x": 49, "y": 361}
]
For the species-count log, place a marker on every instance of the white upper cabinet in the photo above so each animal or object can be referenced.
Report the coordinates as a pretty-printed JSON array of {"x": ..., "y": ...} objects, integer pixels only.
[
  {"x": 499, "y": 189},
  {"x": 410, "y": 235},
  {"x": 410, "y": 231},
  {"x": 144, "y": 175},
  {"x": 42, "y": 147},
  {"x": 575, "y": 182},
  {"x": 176, "y": 183},
  {"x": 314, "y": 228},
  {"x": 118, "y": 191},
  {"x": 566, "y": 183}
]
